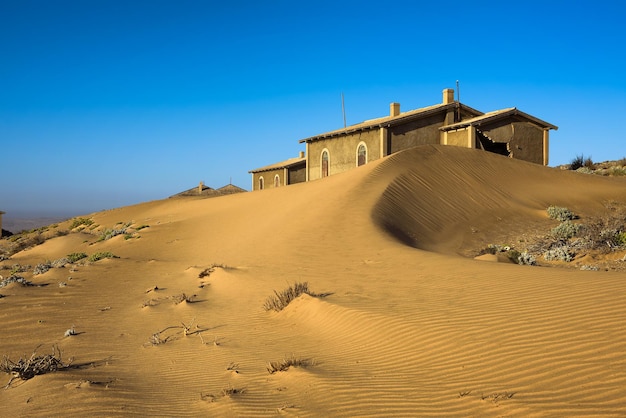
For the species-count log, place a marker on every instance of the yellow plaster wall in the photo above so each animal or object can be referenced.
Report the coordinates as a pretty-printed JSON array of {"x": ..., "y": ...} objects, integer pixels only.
[{"x": 342, "y": 151}]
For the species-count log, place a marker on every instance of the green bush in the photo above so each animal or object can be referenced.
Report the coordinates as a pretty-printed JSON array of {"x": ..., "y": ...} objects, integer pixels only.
[
  {"x": 561, "y": 253},
  {"x": 526, "y": 259},
  {"x": 560, "y": 213},
  {"x": 513, "y": 255},
  {"x": 565, "y": 230},
  {"x": 617, "y": 171},
  {"x": 74, "y": 257},
  {"x": 110, "y": 233},
  {"x": 101, "y": 255},
  {"x": 80, "y": 221},
  {"x": 620, "y": 239}
]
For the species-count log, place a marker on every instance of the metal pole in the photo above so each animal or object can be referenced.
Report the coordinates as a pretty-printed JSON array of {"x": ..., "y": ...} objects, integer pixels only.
[{"x": 343, "y": 110}]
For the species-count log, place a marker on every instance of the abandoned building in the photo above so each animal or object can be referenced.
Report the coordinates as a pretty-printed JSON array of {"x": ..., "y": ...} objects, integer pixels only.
[
  {"x": 509, "y": 132},
  {"x": 206, "y": 191},
  {"x": 286, "y": 172}
]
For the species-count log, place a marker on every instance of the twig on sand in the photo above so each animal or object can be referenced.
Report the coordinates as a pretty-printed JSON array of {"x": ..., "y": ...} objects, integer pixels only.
[
  {"x": 35, "y": 365},
  {"x": 157, "y": 339}
]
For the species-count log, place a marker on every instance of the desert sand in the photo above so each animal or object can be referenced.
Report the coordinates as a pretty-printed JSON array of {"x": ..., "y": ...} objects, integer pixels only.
[{"x": 411, "y": 324}]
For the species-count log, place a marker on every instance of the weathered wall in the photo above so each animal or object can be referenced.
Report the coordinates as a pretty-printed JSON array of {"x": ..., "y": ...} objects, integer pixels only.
[
  {"x": 297, "y": 174},
  {"x": 268, "y": 177},
  {"x": 457, "y": 138},
  {"x": 420, "y": 132},
  {"x": 525, "y": 139},
  {"x": 342, "y": 152}
]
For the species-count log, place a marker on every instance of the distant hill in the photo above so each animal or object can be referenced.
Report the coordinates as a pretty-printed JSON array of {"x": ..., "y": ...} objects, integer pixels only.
[{"x": 16, "y": 225}]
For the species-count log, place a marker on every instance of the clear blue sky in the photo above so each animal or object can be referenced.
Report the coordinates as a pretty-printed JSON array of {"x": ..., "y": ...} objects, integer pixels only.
[{"x": 110, "y": 103}]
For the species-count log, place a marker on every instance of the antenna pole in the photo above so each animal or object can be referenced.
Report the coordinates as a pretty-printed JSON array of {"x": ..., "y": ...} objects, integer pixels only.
[
  {"x": 458, "y": 102},
  {"x": 343, "y": 110}
]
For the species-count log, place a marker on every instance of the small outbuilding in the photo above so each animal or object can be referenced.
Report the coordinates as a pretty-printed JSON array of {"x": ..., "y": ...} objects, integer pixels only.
[
  {"x": 284, "y": 173},
  {"x": 206, "y": 191},
  {"x": 508, "y": 132}
]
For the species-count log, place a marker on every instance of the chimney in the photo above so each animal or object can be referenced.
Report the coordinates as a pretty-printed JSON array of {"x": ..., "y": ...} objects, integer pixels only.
[
  {"x": 448, "y": 96},
  {"x": 301, "y": 154},
  {"x": 394, "y": 109},
  {"x": 200, "y": 187}
]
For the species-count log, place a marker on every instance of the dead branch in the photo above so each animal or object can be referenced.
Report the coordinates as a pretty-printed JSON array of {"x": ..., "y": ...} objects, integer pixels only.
[{"x": 35, "y": 365}]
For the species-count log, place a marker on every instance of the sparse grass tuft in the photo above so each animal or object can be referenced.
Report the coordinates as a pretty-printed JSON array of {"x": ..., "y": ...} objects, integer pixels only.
[
  {"x": 207, "y": 271},
  {"x": 496, "y": 397},
  {"x": 231, "y": 391},
  {"x": 280, "y": 300},
  {"x": 286, "y": 363}
]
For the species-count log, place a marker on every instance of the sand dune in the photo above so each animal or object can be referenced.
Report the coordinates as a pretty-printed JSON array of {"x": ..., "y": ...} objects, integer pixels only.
[{"x": 412, "y": 325}]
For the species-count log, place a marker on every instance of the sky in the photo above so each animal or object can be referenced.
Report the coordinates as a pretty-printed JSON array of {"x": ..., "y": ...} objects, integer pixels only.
[{"x": 111, "y": 103}]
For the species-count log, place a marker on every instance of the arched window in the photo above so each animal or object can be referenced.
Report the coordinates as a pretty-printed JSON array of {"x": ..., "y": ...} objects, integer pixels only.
[
  {"x": 276, "y": 180},
  {"x": 325, "y": 163},
  {"x": 261, "y": 183},
  {"x": 361, "y": 154}
]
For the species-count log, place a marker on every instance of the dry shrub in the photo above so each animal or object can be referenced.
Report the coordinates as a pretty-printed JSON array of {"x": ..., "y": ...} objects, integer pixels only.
[
  {"x": 182, "y": 297},
  {"x": 35, "y": 365},
  {"x": 225, "y": 393},
  {"x": 24, "y": 241},
  {"x": 15, "y": 279},
  {"x": 580, "y": 161},
  {"x": 607, "y": 232},
  {"x": 231, "y": 391}
]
